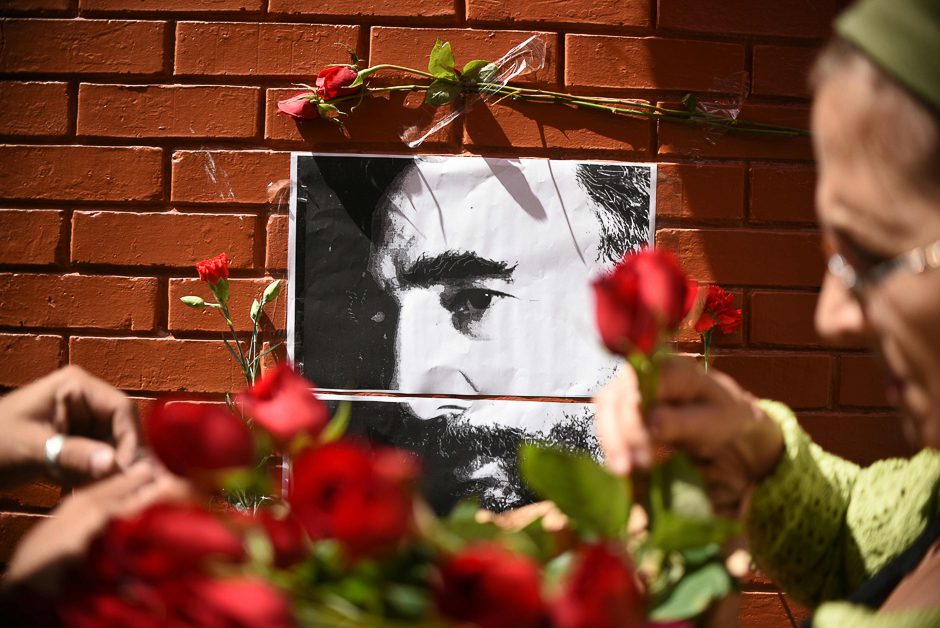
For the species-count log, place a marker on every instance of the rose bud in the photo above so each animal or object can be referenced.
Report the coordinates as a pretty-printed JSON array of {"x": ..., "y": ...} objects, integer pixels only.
[
  {"x": 287, "y": 537},
  {"x": 490, "y": 587},
  {"x": 282, "y": 404},
  {"x": 239, "y": 601},
  {"x": 645, "y": 296},
  {"x": 299, "y": 107},
  {"x": 334, "y": 81},
  {"x": 340, "y": 492},
  {"x": 190, "y": 438},
  {"x": 601, "y": 592}
]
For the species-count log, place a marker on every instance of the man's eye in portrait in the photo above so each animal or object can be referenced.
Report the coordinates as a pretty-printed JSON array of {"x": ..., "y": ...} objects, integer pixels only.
[{"x": 468, "y": 306}]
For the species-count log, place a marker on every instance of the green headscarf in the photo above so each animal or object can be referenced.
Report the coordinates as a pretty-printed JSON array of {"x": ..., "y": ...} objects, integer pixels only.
[{"x": 902, "y": 37}]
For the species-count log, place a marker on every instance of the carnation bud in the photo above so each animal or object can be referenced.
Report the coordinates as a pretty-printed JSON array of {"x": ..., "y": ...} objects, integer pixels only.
[
  {"x": 194, "y": 302},
  {"x": 255, "y": 310},
  {"x": 271, "y": 292},
  {"x": 220, "y": 290}
]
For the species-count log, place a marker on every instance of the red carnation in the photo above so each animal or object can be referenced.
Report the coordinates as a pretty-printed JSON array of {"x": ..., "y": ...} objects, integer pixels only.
[
  {"x": 213, "y": 269},
  {"x": 160, "y": 544},
  {"x": 299, "y": 107},
  {"x": 345, "y": 492},
  {"x": 718, "y": 310},
  {"x": 334, "y": 81},
  {"x": 600, "y": 593},
  {"x": 281, "y": 402},
  {"x": 487, "y": 585},
  {"x": 646, "y": 295},
  {"x": 191, "y": 437}
]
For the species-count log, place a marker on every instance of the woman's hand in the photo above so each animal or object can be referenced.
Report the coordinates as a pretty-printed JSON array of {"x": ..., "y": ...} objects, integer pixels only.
[
  {"x": 707, "y": 415},
  {"x": 99, "y": 423}
]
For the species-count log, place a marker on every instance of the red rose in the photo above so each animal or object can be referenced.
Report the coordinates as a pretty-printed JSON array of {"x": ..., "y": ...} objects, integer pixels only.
[
  {"x": 718, "y": 310},
  {"x": 299, "y": 107},
  {"x": 213, "y": 269},
  {"x": 646, "y": 294},
  {"x": 238, "y": 601},
  {"x": 601, "y": 593},
  {"x": 282, "y": 404},
  {"x": 341, "y": 492},
  {"x": 333, "y": 82},
  {"x": 160, "y": 544},
  {"x": 288, "y": 539},
  {"x": 191, "y": 437},
  {"x": 104, "y": 607},
  {"x": 487, "y": 585}
]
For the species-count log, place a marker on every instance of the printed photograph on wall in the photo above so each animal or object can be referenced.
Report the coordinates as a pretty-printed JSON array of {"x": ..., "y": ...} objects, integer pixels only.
[{"x": 464, "y": 277}]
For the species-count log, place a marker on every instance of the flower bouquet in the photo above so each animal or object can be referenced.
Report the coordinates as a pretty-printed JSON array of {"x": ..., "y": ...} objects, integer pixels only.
[{"x": 354, "y": 543}]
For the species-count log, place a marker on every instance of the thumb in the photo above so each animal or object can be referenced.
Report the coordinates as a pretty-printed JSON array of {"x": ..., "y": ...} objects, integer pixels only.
[{"x": 84, "y": 459}]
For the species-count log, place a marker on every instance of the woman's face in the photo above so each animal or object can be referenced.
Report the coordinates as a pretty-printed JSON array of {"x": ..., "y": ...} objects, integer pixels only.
[{"x": 870, "y": 211}]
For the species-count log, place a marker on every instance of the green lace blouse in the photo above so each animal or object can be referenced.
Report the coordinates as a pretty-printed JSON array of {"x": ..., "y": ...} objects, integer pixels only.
[{"x": 822, "y": 525}]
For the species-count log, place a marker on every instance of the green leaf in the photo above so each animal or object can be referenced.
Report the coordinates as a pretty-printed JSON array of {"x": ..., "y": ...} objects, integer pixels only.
[
  {"x": 479, "y": 71},
  {"x": 267, "y": 351},
  {"x": 556, "y": 568},
  {"x": 692, "y": 595},
  {"x": 408, "y": 601},
  {"x": 441, "y": 63},
  {"x": 325, "y": 108},
  {"x": 690, "y": 102},
  {"x": 595, "y": 500},
  {"x": 270, "y": 293},
  {"x": 441, "y": 93},
  {"x": 194, "y": 302},
  {"x": 338, "y": 424},
  {"x": 682, "y": 488},
  {"x": 672, "y": 531}
]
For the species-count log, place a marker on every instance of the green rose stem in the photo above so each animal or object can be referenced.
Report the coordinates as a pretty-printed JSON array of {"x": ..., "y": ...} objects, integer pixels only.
[{"x": 706, "y": 342}]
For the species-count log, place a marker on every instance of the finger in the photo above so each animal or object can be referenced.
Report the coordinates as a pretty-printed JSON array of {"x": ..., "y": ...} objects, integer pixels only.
[
  {"x": 682, "y": 379},
  {"x": 623, "y": 434},
  {"x": 119, "y": 487},
  {"x": 85, "y": 459},
  {"x": 103, "y": 412},
  {"x": 698, "y": 428}
]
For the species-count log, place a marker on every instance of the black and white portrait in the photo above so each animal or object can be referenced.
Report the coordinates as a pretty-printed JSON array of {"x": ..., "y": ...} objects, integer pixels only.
[{"x": 454, "y": 280}]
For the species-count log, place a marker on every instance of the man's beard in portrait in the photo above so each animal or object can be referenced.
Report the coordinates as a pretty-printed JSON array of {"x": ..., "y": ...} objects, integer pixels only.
[{"x": 462, "y": 460}]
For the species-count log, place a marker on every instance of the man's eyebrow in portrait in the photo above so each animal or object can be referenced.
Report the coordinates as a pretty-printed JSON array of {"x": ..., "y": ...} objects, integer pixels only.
[{"x": 453, "y": 266}]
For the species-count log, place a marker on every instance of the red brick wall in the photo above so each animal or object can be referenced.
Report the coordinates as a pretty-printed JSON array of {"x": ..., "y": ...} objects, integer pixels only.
[{"x": 140, "y": 137}]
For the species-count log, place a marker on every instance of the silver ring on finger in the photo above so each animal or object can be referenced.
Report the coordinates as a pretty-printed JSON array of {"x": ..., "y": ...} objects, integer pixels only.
[{"x": 53, "y": 449}]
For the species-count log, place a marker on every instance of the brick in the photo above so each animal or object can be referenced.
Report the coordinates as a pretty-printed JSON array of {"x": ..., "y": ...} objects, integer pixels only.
[
  {"x": 210, "y": 111},
  {"x": 744, "y": 257},
  {"x": 410, "y": 47},
  {"x": 783, "y": 70},
  {"x": 700, "y": 192},
  {"x": 29, "y": 6},
  {"x": 800, "y": 381},
  {"x": 81, "y": 173},
  {"x": 226, "y": 176},
  {"x": 604, "y": 62},
  {"x": 415, "y": 10},
  {"x": 530, "y": 125},
  {"x": 259, "y": 49},
  {"x": 861, "y": 438},
  {"x": 763, "y": 610},
  {"x": 376, "y": 121},
  {"x": 34, "y": 108},
  {"x": 780, "y": 194},
  {"x": 27, "y": 357},
  {"x": 40, "y": 493},
  {"x": 862, "y": 382},
  {"x": 276, "y": 250},
  {"x": 13, "y": 526},
  {"x": 171, "y": 6},
  {"x": 158, "y": 364},
  {"x": 31, "y": 236},
  {"x": 619, "y": 13},
  {"x": 127, "y": 303},
  {"x": 786, "y": 18},
  {"x": 243, "y": 292},
  {"x": 82, "y": 46},
  {"x": 677, "y": 138},
  {"x": 783, "y": 319},
  {"x": 162, "y": 239}
]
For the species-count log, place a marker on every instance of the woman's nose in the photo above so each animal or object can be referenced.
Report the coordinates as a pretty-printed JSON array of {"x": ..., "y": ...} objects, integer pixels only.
[{"x": 840, "y": 317}]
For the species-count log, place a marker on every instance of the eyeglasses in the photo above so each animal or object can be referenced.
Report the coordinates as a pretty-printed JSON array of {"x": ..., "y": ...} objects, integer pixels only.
[{"x": 913, "y": 262}]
